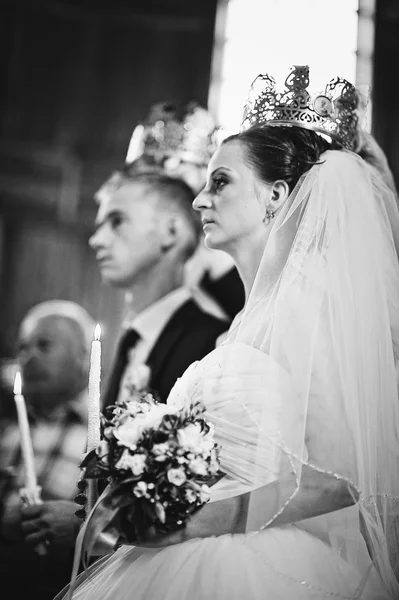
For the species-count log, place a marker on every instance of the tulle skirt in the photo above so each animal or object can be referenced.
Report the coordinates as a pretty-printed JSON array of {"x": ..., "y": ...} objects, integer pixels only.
[{"x": 276, "y": 564}]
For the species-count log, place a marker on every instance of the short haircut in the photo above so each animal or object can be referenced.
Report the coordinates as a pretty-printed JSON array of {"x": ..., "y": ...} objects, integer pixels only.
[{"x": 174, "y": 193}]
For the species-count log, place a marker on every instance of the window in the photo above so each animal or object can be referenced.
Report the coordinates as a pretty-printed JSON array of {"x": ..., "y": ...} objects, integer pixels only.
[{"x": 258, "y": 36}]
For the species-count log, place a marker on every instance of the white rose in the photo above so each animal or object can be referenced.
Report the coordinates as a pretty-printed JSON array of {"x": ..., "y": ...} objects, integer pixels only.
[
  {"x": 137, "y": 463},
  {"x": 198, "y": 466},
  {"x": 207, "y": 447},
  {"x": 190, "y": 438},
  {"x": 176, "y": 476},
  {"x": 153, "y": 418},
  {"x": 129, "y": 432}
]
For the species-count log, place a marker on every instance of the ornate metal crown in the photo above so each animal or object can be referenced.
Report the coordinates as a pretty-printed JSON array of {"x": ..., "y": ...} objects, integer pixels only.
[
  {"x": 165, "y": 135},
  {"x": 177, "y": 144},
  {"x": 332, "y": 112}
]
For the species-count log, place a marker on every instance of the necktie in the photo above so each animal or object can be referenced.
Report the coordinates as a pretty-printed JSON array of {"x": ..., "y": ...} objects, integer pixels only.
[{"x": 126, "y": 343}]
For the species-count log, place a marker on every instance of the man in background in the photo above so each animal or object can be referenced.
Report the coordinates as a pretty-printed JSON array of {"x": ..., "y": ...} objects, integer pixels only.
[
  {"x": 146, "y": 232},
  {"x": 53, "y": 355}
]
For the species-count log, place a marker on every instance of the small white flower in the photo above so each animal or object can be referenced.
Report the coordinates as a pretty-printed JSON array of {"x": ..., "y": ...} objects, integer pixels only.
[
  {"x": 205, "y": 493},
  {"x": 176, "y": 476},
  {"x": 191, "y": 496},
  {"x": 140, "y": 489},
  {"x": 135, "y": 463},
  {"x": 160, "y": 451},
  {"x": 160, "y": 448}
]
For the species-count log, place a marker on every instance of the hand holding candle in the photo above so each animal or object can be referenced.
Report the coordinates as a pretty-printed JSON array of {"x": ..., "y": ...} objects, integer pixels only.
[
  {"x": 30, "y": 494},
  {"x": 26, "y": 441}
]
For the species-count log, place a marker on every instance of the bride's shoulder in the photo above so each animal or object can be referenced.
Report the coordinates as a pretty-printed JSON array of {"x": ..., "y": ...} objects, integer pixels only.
[{"x": 228, "y": 333}]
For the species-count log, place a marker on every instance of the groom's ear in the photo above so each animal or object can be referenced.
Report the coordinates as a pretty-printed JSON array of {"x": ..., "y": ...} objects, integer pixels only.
[{"x": 279, "y": 193}]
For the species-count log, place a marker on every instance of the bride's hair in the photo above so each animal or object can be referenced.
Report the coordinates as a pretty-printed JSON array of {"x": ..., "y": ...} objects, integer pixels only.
[{"x": 283, "y": 153}]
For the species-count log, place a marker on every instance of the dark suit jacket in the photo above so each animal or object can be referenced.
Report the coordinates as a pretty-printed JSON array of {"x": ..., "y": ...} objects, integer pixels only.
[
  {"x": 228, "y": 291},
  {"x": 188, "y": 336}
]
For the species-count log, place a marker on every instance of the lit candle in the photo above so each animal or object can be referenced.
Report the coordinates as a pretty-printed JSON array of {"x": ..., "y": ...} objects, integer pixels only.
[
  {"x": 26, "y": 440},
  {"x": 93, "y": 426}
]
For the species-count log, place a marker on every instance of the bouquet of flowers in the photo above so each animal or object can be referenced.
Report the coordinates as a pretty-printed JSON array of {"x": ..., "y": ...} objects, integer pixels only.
[{"x": 158, "y": 460}]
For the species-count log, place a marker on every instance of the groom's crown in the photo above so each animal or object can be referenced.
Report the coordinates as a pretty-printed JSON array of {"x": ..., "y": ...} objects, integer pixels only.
[
  {"x": 332, "y": 112},
  {"x": 190, "y": 136}
]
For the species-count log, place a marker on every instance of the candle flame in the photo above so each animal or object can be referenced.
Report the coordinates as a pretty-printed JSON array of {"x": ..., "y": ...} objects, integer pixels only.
[
  {"x": 17, "y": 383},
  {"x": 97, "y": 332}
]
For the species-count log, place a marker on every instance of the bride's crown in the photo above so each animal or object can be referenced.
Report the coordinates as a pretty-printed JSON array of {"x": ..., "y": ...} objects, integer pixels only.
[
  {"x": 332, "y": 112},
  {"x": 166, "y": 135}
]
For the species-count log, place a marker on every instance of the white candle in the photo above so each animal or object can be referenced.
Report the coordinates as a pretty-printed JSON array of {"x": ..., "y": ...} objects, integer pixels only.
[
  {"x": 93, "y": 426},
  {"x": 26, "y": 440}
]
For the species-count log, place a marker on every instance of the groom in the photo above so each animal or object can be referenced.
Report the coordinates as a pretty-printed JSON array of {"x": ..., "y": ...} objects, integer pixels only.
[{"x": 146, "y": 230}]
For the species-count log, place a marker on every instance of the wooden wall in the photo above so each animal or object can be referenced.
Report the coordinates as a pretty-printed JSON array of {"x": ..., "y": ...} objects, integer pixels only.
[{"x": 77, "y": 75}]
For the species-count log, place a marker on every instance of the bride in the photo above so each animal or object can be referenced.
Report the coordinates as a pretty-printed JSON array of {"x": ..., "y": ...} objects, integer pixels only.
[{"x": 302, "y": 392}]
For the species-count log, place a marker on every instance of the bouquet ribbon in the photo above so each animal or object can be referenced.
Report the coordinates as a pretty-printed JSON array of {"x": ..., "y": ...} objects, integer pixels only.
[{"x": 98, "y": 522}]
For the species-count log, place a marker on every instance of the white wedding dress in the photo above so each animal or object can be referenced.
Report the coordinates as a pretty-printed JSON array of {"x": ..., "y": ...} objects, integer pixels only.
[
  {"x": 306, "y": 376},
  {"x": 278, "y": 563}
]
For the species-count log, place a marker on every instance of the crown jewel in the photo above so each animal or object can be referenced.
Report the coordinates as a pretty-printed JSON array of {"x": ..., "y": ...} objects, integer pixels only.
[{"x": 332, "y": 112}]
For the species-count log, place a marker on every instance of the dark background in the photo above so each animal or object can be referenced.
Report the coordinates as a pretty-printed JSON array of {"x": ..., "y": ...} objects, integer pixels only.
[{"x": 77, "y": 76}]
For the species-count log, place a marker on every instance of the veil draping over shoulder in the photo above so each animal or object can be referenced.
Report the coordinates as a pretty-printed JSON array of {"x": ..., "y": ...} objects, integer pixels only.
[{"x": 319, "y": 341}]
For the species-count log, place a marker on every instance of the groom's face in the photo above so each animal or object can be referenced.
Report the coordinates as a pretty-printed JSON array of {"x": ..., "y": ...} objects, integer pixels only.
[{"x": 127, "y": 238}]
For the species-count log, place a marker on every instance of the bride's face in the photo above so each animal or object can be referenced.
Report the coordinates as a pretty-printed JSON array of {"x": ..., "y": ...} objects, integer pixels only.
[{"x": 233, "y": 202}]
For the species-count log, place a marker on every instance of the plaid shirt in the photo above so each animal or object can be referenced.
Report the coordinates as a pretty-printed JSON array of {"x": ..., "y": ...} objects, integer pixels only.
[{"x": 58, "y": 446}]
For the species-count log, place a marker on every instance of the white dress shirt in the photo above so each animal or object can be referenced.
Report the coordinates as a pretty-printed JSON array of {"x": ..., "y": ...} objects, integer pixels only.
[{"x": 149, "y": 324}]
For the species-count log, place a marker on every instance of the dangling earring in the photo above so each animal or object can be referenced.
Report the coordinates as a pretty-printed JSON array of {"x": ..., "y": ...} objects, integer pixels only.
[{"x": 269, "y": 215}]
